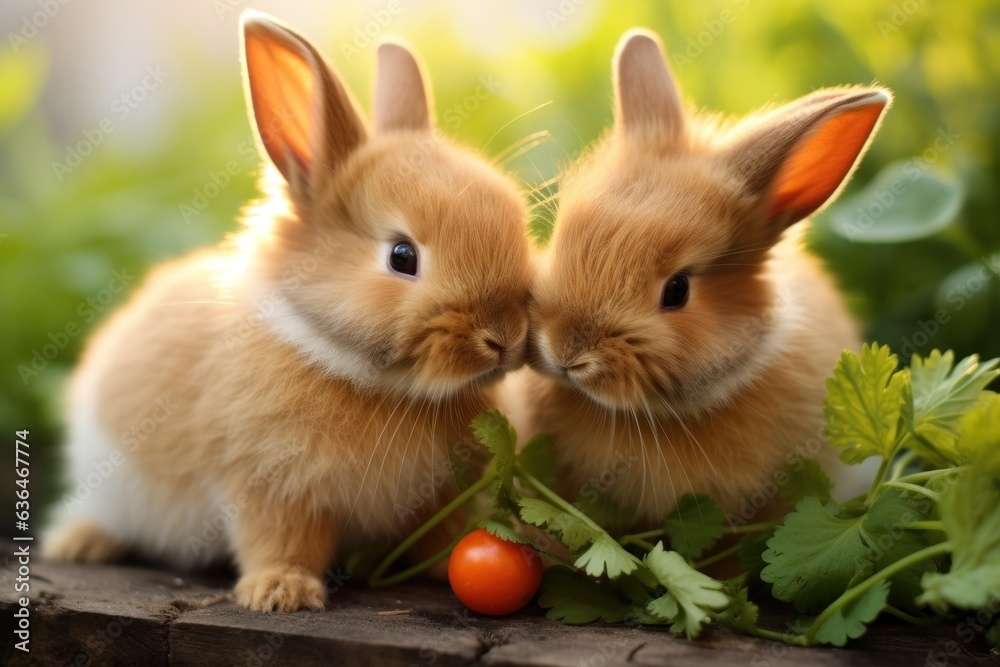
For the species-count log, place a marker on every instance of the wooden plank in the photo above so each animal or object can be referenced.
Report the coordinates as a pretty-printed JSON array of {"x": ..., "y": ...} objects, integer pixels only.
[{"x": 138, "y": 615}]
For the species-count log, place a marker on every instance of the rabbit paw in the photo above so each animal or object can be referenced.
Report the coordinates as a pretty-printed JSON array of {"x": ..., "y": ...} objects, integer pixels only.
[
  {"x": 282, "y": 588},
  {"x": 83, "y": 542}
]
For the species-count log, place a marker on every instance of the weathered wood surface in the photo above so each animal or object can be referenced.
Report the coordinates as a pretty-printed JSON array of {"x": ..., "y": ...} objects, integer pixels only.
[{"x": 134, "y": 615}]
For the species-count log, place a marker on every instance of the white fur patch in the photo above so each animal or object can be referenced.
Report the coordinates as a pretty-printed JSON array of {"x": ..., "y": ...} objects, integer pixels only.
[
  {"x": 140, "y": 513},
  {"x": 292, "y": 328}
]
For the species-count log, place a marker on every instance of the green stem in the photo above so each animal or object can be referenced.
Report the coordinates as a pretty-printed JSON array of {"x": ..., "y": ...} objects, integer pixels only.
[
  {"x": 639, "y": 542},
  {"x": 927, "y": 525},
  {"x": 626, "y": 539},
  {"x": 904, "y": 460},
  {"x": 554, "y": 498},
  {"x": 915, "y": 488},
  {"x": 375, "y": 579},
  {"x": 414, "y": 569},
  {"x": 876, "y": 482},
  {"x": 715, "y": 558},
  {"x": 851, "y": 594},
  {"x": 787, "y": 638},
  {"x": 753, "y": 527},
  {"x": 927, "y": 475},
  {"x": 910, "y": 618}
]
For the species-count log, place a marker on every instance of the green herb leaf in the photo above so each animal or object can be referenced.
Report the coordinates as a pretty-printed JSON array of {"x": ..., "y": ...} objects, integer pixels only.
[
  {"x": 819, "y": 552},
  {"x": 503, "y": 531},
  {"x": 536, "y": 458},
  {"x": 694, "y": 525},
  {"x": 863, "y": 403},
  {"x": 574, "y": 598},
  {"x": 807, "y": 480},
  {"x": 691, "y": 596},
  {"x": 605, "y": 555},
  {"x": 741, "y": 613},
  {"x": 979, "y": 434},
  {"x": 494, "y": 431},
  {"x": 815, "y": 555},
  {"x": 941, "y": 393},
  {"x": 570, "y": 530},
  {"x": 850, "y": 620},
  {"x": 970, "y": 512}
]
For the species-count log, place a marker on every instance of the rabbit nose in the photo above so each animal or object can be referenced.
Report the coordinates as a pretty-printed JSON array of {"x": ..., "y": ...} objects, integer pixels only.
[{"x": 497, "y": 349}]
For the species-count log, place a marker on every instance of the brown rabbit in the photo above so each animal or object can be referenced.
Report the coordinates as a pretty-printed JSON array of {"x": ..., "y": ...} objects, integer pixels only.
[
  {"x": 680, "y": 333},
  {"x": 300, "y": 381}
]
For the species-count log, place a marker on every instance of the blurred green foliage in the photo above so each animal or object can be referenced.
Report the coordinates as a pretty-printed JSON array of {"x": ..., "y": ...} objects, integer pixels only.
[{"x": 921, "y": 272}]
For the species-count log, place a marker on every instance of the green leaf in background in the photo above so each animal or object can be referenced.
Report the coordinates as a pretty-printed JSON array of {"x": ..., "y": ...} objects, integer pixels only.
[
  {"x": 905, "y": 202},
  {"x": 942, "y": 392},
  {"x": 808, "y": 479},
  {"x": 970, "y": 512},
  {"x": 536, "y": 458},
  {"x": 694, "y": 525},
  {"x": 863, "y": 403},
  {"x": 22, "y": 76},
  {"x": 691, "y": 596},
  {"x": 968, "y": 296},
  {"x": 850, "y": 620},
  {"x": 574, "y": 598}
]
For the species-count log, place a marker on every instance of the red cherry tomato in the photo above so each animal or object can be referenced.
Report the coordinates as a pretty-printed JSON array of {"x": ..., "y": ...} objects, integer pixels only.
[{"x": 493, "y": 576}]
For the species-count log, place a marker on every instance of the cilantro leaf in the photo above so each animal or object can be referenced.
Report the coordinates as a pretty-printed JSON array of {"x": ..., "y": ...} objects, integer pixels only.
[
  {"x": 694, "y": 525},
  {"x": 970, "y": 512},
  {"x": 808, "y": 480},
  {"x": 494, "y": 431},
  {"x": 570, "y": 530},
  {"x": 818, "y": 553},
  {"x": 849, "y": 621},
  {"x": 863, "y": 403},
  {"x": 742, "y": 613},
  {"x": 941, "y": 393},
  {"x": 606, "y": 555},
  {"x": 815, "y": 555},
  {"x": 979, "y": 434},
  {"x": 691, "y": 596},
  {"x": 574, "y": 598},
  {"x": 503, "y": 531},
  {"x": 536, "y": 458},
  {"x": 603, "y": 555}
]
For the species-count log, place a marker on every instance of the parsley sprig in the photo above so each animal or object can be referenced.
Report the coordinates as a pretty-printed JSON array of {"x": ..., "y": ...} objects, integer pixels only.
[{"x": 922, "y": 543}]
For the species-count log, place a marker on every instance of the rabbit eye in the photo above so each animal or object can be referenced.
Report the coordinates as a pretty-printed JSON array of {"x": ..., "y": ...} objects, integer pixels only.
[
  {"x": 403, "y": 258},
  {"x": 675, "y": 292}
]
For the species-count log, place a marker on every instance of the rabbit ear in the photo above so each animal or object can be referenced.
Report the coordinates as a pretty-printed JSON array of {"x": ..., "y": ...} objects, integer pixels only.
[
  {"x": 800, "y": 155},
  {"x": 303, "y": 115},
  {"x": 647, "y": 97},
  {"x": 402, "y": 92}
]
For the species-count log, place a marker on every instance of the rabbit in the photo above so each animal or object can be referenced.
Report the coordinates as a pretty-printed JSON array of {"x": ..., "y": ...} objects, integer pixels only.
[
  {"x": 680, "y": 334},
  {"x": 277, "y": 399}
]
